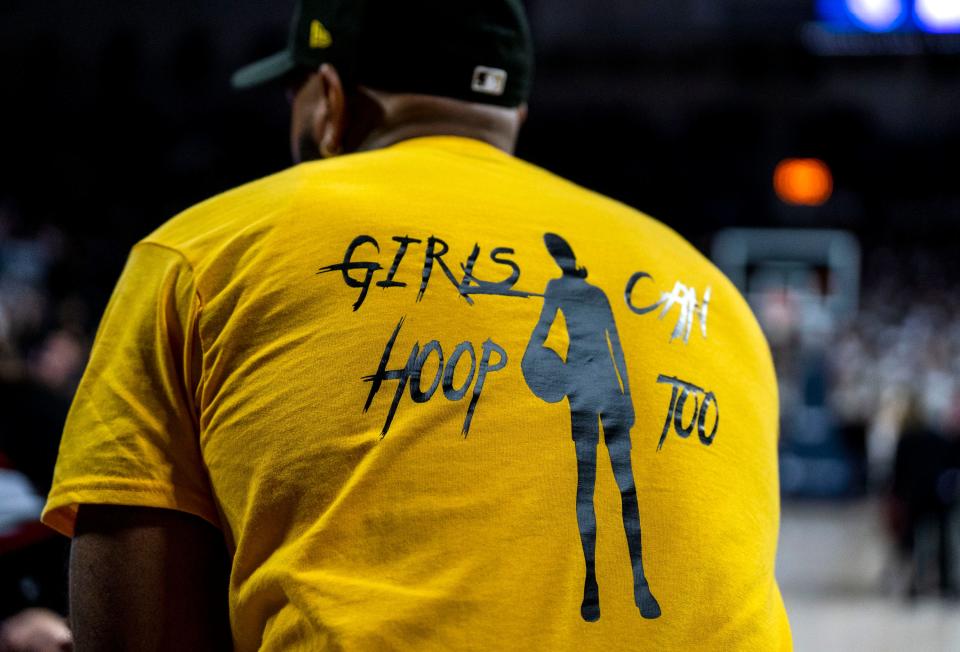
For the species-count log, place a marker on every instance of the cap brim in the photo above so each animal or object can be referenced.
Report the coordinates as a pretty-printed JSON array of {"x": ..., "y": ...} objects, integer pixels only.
[{"x": 264, "y": 71}]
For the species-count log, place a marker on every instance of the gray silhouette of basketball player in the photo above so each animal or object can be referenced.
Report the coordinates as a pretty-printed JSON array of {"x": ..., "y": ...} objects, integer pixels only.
[{"x": 594, "y": 379}]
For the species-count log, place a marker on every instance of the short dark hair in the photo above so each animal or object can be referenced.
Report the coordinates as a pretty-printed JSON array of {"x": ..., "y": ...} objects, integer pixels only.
[{"x": 562, "y": 252}]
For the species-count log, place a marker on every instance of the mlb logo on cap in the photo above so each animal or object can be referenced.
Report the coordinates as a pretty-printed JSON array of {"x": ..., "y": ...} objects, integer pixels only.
[{"x": 489, "y": 81}]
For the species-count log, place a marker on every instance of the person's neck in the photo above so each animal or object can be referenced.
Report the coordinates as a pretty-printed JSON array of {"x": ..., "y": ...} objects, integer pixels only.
[
  {"x": 385, "y": 138},
  {"x": 405, "y": 117}
]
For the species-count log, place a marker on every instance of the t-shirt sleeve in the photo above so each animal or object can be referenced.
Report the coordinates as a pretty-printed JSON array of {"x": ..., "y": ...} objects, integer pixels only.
[{"x": 132, "y": 434}]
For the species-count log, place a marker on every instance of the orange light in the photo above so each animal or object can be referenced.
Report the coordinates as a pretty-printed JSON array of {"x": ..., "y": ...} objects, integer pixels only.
[{"x": 803, "y": 182}]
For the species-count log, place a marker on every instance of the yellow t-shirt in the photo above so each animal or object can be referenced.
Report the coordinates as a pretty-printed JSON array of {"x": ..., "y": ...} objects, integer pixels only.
[{"x": 435, "y": 398}]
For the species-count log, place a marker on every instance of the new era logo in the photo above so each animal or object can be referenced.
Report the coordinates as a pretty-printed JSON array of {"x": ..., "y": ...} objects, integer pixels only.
[
  {"x": 320, "y": 38},
  {"x": 489, "y": 81}
]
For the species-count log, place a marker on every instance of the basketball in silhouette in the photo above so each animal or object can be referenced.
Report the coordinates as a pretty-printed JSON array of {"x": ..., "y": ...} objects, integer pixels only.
[{"x": 545, "y": 373}]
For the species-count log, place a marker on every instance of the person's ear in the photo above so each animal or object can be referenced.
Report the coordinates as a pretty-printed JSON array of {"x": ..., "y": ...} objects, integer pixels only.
[
  {"x": 523, "y": 112},
  {"x": 330, "y": 119}
]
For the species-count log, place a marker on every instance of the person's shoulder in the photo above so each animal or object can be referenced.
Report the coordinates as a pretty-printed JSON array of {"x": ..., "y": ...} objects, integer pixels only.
[
  {"x": 645, "y": 235},
  {"x": 607, "y": 214},
  {"x": 251, "y": 208},
  {"x": 624, "y": 224},
  {"x": 654, "y": 247},
  {"x": 204, "y": 223}
]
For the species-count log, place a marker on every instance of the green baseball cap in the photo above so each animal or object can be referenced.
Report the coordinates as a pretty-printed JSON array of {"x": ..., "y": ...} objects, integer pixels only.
[{"x": 472, "y": 50}]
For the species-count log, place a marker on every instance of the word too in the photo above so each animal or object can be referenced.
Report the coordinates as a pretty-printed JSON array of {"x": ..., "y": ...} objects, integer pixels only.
[
  {"x": 411, "y": 374},
  {"x": 678, "y": 400},
  {"x": 434, "y": 253}
]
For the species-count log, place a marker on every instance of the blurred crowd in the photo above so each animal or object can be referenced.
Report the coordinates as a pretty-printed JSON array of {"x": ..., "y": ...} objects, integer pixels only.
[
  {"x": 44, "y": 338},
  {"x": 871, "y": 404},
  {"x": 899, "y": 364},
  {"x": 897, "y": 379}
]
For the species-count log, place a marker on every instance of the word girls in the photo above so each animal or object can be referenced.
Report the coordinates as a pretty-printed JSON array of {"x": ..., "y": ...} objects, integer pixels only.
[{"x": 435, "y": 250}]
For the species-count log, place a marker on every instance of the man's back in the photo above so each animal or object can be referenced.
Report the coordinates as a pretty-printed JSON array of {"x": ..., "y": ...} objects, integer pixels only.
[{"x": 342, "y": 394}]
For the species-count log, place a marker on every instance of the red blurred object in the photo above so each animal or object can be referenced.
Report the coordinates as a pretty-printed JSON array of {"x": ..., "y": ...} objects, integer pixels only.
[{"x": 803, "y": 182}]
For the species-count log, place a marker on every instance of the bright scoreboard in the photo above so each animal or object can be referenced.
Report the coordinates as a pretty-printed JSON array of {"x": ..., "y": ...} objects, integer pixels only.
[{"x": 883, "y": 16}]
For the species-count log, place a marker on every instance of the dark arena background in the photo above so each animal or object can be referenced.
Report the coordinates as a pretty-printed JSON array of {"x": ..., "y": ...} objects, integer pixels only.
[{"x": 810, "y": 148}]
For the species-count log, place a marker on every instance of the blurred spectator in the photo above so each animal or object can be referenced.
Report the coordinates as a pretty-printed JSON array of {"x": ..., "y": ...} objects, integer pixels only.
[
  {"x": 35, "y": 630},
  {"x": 42, "y": 352},
  {"x": 924, "y": 499}
]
